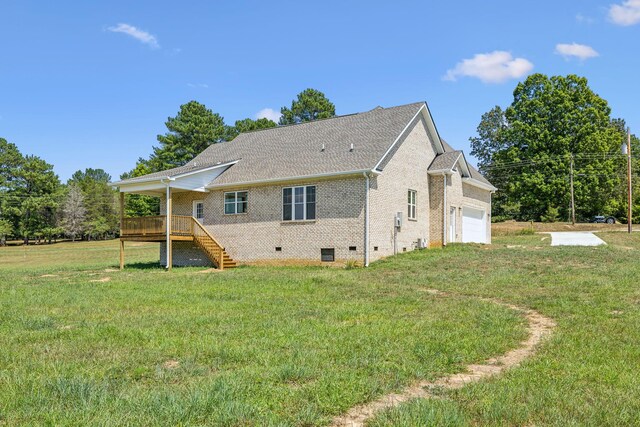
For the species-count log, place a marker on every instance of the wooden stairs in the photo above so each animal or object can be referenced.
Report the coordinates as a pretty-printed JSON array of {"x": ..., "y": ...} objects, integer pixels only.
[{"x": 210, "y": 246}]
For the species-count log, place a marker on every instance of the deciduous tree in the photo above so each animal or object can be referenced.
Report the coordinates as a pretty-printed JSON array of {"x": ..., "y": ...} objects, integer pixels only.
[
  {"x": 99, "y": 201},
  {"x": 74, "y": 212},
  {"x": 527, "y": 150}
]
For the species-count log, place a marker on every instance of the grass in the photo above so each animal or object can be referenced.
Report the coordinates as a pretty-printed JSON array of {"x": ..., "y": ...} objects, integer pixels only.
[
  {"x": 586, "y": 374},
  {"x": 254, "y": 346},
  {"x": 295, "y": 346}
]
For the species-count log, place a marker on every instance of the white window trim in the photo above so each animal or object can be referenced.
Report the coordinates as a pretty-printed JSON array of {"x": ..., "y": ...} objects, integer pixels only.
[
  {"x": 194, "y": 209},
  {"x": 413, "y": 205},
  {"x": 293, "y": 204},
  {"x": 235, "y": 202}
]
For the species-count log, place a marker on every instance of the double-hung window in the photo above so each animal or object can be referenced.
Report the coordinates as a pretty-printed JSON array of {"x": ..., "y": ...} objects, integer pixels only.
[
  {"x": 235, "y": 202},
  {"x": 299, "y": 203},
  {"x": 411, "y": 204}
]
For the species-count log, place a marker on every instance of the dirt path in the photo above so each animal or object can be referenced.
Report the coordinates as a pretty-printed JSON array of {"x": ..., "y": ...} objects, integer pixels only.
[{"x": 538, "y": 327}]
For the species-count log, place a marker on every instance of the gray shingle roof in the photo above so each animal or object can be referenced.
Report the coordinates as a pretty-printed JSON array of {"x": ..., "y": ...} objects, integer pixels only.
[
  {"x": 314, "y": 148},
  {"x": 475, "y": 174},
  {"x": 297, "y": 150},
  {"x": 445, "y": 161}
]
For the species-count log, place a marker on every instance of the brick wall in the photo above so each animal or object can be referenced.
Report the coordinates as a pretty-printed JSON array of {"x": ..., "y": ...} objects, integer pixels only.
[
  {"x": 255, "y": 235},
  {"x": 436, "y": 192},
  {"x": 406, "y": 170}
]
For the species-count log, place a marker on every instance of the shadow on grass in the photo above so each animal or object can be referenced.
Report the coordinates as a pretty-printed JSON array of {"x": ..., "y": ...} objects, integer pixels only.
[{"x": 144, "y": 266}]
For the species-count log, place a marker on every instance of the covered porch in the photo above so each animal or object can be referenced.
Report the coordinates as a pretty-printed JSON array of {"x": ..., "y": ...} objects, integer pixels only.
[{"x": 168, "y": 229}]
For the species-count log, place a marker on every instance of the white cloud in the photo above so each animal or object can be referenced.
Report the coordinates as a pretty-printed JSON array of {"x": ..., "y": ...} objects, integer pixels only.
[
  {"x": 136, "y": 33},
  {"x": 268, "y": 113},
  {"x": 583, "y": 19},
  {"x": 198, "y": 85},
  {"x": 494, "y": 67},
  {"x": 575, "y": 50},
  {"x": 625, "y": 14}
]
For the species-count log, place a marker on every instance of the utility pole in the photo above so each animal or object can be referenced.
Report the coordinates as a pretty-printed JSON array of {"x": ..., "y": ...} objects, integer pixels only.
[
  {"x": 630, "y": 211},
  {"x": 573, "y": 201}
]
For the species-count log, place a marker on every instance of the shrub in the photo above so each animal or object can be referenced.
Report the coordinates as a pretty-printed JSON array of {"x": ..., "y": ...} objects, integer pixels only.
[
  {"x": 526, "y": 231},
  {"x": 551, "y": 215},
  {"x": 351, "y": 264}
]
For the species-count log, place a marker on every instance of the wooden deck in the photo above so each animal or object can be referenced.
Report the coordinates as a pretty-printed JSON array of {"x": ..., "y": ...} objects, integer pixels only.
[
  {"x": 182, "y": 228},
  {"x": 154, "y": 228}
]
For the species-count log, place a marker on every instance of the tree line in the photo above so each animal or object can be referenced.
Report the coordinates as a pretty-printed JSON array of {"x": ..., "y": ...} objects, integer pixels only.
[{"x": 36, "y": 206}]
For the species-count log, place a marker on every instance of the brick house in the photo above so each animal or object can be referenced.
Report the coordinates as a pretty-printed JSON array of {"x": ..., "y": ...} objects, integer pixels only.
[{"x": 355, "y": 187}]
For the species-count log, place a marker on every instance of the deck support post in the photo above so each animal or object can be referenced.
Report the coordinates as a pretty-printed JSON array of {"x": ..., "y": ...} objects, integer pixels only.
[
  {"x": 121, "y": 254},
  {"x": 121, "y": 228},
  {"x": 168, "y": 221}
]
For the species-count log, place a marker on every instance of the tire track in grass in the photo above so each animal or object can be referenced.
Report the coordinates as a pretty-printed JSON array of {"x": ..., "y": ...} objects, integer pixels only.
[{"x": 538, "y": 328}]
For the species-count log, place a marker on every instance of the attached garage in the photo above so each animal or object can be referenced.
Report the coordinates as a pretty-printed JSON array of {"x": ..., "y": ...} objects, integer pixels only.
[{"x": 474, "y": 225}]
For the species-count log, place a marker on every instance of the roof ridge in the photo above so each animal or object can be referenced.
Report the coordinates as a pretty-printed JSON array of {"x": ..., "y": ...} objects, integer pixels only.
[{"x": 376, "y": 109}]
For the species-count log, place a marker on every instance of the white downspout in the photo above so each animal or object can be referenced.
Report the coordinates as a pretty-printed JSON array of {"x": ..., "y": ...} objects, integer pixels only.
[
  {"x": 366, "y": 220},
  {"x": 444, "y": 211}
]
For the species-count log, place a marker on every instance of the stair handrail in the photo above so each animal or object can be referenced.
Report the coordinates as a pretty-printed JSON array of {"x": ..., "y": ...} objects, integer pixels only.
[{"x": 200, "y": 227}]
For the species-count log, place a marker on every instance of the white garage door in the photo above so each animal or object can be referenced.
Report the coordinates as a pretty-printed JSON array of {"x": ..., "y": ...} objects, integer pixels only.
[{"x": 474, "y": 226}]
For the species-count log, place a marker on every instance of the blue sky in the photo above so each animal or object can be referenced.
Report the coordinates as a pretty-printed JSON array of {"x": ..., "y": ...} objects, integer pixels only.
[{"x": 90, "y": 84}]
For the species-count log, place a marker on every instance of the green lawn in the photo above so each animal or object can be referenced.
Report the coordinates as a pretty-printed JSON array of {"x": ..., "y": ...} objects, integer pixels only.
[
  {"x": 295, "y": 346},
  {"x": 252, "y": 346}
]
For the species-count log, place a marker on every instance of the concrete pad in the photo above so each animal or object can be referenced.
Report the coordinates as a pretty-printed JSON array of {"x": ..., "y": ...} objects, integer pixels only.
[{"x": 575, "y": 238}]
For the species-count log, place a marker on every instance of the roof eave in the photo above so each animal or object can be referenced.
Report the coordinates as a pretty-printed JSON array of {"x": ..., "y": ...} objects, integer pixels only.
[
  {"x": 141, "y": 180},
  {"x": 440, "y": 172},
  {"x": 479, "y": 184},
  {"x": 291, "y": 178}
]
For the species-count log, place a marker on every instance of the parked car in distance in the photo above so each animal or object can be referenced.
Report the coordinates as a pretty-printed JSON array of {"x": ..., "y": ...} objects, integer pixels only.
[{"x": 603, "y": 219}]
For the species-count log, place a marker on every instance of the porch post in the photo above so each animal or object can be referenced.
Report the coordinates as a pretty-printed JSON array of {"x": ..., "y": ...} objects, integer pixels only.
[
  {"x": 121, "y": 228},
  {"x": 168, "y": 221}
]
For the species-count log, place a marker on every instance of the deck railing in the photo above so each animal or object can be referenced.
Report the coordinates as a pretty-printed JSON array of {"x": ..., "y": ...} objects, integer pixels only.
[
  {"x": 154, "y": 229},
  {"x": 208, "y": 243},
  {"x": 156, "y": 225}
]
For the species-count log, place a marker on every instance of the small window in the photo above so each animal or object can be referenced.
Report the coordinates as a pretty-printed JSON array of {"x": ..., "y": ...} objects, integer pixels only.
[
  {"x": 411, "y": 204},
  {"x": 198, "y": 210},
  {"x": 353, "y": 248},
  {"x": 235, "y": 202},
  {"x": 299, "y": 203},
  {"x": 327, "y": 254}
]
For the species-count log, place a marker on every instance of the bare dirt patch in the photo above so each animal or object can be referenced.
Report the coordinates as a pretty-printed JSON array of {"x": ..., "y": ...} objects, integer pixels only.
[
  {"x": 171, "y": 364},
  {"x": 102, "y": 280},
  {"x": 538, "y": 327},
  {"x": 49, "y": 275},
  {"x": 210, "y": 270}
]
